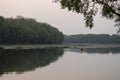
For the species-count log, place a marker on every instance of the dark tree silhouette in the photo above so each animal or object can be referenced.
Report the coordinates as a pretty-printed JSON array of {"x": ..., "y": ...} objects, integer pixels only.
[{"x": 89, "y": 8}]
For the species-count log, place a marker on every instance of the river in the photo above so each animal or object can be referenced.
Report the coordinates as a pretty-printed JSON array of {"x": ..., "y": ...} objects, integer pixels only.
[{"x": 60, "y": 64}]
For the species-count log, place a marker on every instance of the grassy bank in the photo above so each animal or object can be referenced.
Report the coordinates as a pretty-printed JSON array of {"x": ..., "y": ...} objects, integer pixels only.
[{"x": 59, "y": 46}]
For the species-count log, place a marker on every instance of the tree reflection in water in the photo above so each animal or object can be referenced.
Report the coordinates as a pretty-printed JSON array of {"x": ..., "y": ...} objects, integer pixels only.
[
  {"x": 20, "y": 61},
  {"x": 97, "y": 50}
]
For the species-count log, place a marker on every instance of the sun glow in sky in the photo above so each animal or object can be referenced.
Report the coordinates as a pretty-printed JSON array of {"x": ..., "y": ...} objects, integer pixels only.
[{"x": 49, "y": 12}]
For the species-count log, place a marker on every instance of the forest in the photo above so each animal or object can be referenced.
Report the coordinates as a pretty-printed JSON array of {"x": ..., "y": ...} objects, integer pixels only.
[
  {"x": 22, "y": 30},
  {"x": 93, "y": 39}
]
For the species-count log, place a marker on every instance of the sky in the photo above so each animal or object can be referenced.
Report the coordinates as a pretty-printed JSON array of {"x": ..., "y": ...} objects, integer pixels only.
[{"x": 49, "y": 12}]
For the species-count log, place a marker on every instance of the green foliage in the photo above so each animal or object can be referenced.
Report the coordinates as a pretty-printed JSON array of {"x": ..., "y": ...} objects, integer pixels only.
[
  {"x": 26, "y": 30},
  {"x": 93, "y": 39},
  {"x": 1, "y": 20},
  {"x": 89, "y": 8}
]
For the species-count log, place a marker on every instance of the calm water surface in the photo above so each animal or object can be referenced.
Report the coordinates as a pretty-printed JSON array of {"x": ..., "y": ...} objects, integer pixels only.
[{"x": 60, "y": 64}]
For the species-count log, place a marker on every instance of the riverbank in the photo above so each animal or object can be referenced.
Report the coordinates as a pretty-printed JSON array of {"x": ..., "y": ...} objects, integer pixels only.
[{"x": 59, "y": 46}]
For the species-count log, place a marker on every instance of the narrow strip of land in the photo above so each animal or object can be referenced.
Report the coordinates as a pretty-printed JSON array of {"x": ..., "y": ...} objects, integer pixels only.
[{"x": 59, "y": 46}]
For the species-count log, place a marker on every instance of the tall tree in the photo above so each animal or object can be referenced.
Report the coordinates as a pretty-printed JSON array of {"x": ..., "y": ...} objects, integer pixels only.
[{"x": 89, "y": 8}]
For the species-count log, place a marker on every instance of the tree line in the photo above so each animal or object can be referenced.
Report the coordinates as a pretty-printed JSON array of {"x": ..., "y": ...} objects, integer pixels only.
[
  {"x": 93, "y": 39},
  {"x": 21, "y": 30}
]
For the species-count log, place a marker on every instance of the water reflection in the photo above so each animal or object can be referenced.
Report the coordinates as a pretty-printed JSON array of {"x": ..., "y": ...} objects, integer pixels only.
[
  {"x": 97, "y": 50},
  {"x": 72, "y": 66},
  {"x": 20, "y": 61}
]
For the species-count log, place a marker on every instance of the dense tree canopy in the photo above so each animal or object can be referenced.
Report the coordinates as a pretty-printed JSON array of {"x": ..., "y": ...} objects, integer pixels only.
[
  {"x": 108, "y": 8},
  {"x": 27, "y": 30},
  {"x": 93, "y": 39}
]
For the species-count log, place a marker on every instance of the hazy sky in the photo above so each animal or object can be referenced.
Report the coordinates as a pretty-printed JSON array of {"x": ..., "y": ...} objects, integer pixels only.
[{"x": 49, "y": 12}]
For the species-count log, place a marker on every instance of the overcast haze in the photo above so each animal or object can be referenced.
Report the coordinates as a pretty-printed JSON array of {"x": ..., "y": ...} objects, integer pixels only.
[{"x": 49, "y": 12}]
